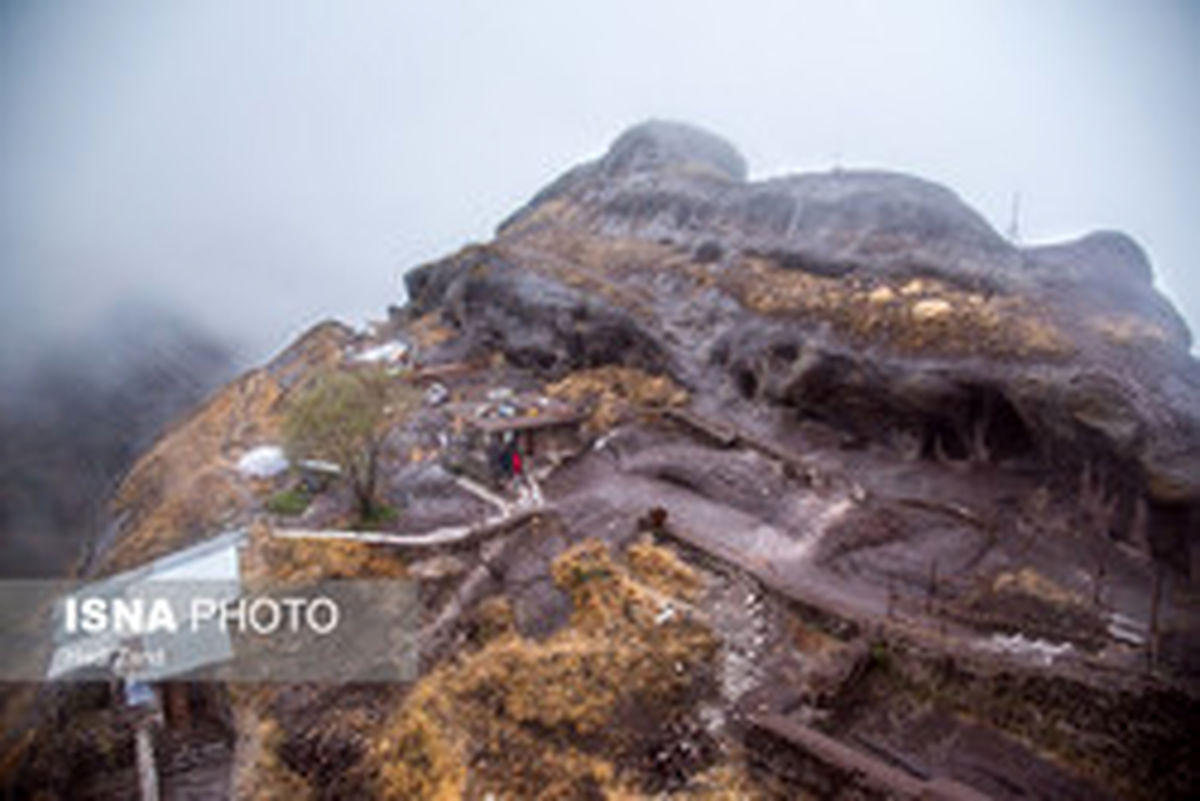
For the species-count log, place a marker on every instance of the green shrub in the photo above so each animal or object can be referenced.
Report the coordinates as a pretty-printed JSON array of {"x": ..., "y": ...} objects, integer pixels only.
[
  {"x": 378, "y": 517},
  {"x": 344, "y": 416},
  {"x": 289, "y": 502}
]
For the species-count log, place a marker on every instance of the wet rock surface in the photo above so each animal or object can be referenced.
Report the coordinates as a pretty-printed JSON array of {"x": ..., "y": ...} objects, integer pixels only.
[
  {"x": 877, "y": 302},
  {"x": 537, "y": 322},
  {"x": 921, "y": 499}
]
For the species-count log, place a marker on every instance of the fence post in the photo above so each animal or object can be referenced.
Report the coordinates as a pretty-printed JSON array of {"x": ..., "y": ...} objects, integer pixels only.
[
  {"x": 147, "y": 770},
  {"x": 1152, "y": 639}
]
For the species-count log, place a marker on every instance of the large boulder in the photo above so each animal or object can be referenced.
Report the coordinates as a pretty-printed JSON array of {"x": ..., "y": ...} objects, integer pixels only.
[{"x": 538, "y": 322}]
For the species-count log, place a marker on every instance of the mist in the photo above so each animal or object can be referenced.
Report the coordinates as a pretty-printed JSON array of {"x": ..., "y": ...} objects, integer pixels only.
[
  {"x": 73, "y": 421},
  {"x": 256, "y": 167}
]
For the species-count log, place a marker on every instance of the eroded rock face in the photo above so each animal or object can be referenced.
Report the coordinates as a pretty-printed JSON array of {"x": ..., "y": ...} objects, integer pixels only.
[
  {"x": 537, "y": 322},
  {"x": 1113, "y": 270},
  {"x": 876, "y": 301},
  {"x": 896, "y": 422}
]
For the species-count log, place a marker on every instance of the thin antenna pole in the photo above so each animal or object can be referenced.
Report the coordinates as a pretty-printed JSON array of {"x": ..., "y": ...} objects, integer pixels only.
[{"x": 1014, "y": 226}]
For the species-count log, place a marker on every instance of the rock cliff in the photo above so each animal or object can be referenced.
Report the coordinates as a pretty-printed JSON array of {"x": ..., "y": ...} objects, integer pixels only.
[
  {"x": 876, "y": 301},
  {"x": 869, "y": 500}
]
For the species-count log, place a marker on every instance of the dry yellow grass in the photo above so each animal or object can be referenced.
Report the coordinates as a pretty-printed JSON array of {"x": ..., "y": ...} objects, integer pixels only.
[
  {"x": 552, "y": 719},
  {"x": 1128, "y": 330},
  {"x": 258, "y": 772},
  {"x": 921, "y": 314},
  {"x": 924, "y": 315},
  {"x": 1028, "y": 581},
  {"x": 493, "y": 619},
  {"x": 555, "y": 211},
  {"x": 429, "y": 331},
  {"x": 274, "y": 562},
  {"x": 732, "y": 781},
  {"x": 663, "y": 570},
  {"x": 614, "y": 393},
  {"x": 186, "y": 485}
]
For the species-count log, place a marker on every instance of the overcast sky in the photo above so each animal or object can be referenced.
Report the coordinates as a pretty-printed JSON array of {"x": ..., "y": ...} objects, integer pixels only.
[{"x": 267, "y": 164}]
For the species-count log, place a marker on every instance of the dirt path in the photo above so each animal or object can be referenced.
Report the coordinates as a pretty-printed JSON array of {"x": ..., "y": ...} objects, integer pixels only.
[{"x": 603, "y": 494}]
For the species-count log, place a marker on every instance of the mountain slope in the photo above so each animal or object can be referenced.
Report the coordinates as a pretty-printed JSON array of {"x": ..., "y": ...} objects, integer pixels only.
[{"x": 906, "y": 490}]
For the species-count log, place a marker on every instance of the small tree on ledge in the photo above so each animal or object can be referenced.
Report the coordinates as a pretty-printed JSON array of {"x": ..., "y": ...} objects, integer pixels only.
[{"x": 344, "y": 417}]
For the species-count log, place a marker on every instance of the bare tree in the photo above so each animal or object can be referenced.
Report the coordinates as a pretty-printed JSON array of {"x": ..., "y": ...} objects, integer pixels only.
[{"x": 344, "y": 417}]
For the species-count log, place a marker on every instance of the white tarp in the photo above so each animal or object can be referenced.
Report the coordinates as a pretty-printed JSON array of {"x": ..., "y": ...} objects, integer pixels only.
[{"x": 265, "y": 461}]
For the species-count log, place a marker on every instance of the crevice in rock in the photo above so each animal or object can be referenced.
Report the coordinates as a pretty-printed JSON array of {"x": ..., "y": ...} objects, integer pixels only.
[
  {"x": 808, "y": 263},
  {"x": 747, "y": 383},
  {"x": 1173, "y": 531},
  {"x": 981, "y": 426}
]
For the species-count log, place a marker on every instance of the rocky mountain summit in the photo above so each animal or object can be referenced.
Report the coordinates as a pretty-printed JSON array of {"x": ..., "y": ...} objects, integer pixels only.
[
  {"x": 876, "y": 301},
  {"x": 829, "y": 491}
]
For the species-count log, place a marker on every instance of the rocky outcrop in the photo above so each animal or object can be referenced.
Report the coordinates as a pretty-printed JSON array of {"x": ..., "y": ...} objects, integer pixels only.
[
  {"x": 666, "y": 181},
  {"x": 875, "y": 301},
  {"x": 536, "y": 321}
]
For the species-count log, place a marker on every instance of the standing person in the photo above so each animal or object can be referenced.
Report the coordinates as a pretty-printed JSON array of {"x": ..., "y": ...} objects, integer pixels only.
[
  {"x": 502, "y": 460},
  {"x": 518, "y": 472}
]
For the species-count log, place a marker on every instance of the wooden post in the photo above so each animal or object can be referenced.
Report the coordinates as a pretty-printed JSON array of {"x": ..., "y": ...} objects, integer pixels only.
[
  {"x": 1139, "y": 529},
  {"x": 1152, "y": 639},
  {"x": 147, "y": 770},
  {"x": 179, "y": 708}
]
